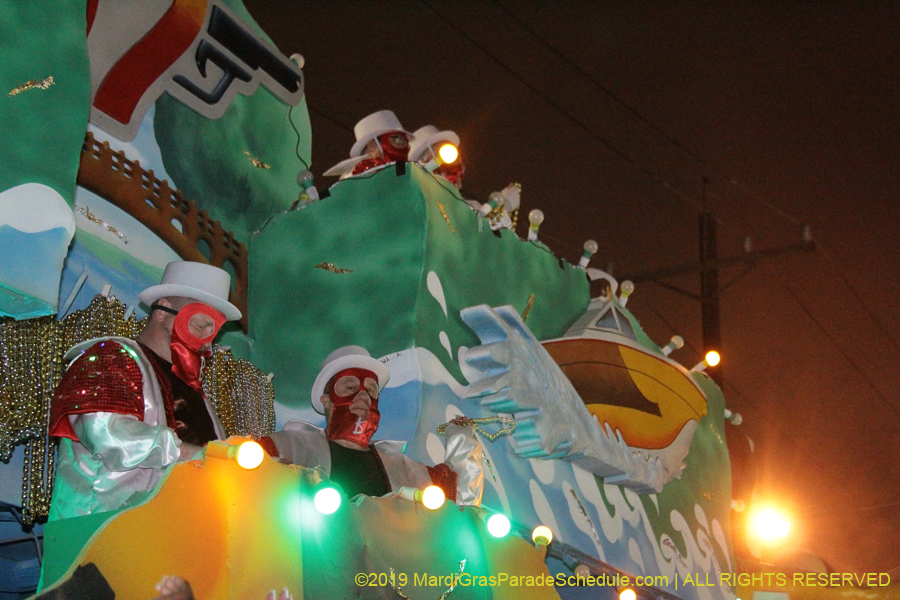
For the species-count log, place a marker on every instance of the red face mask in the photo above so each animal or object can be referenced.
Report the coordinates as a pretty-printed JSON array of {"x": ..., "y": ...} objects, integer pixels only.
[
  {"x": 394, "y": 146},
  {"x": 187, "y": 359},
  {"x": 344, "y": 425},
  {"x": 453, "y": 172}
]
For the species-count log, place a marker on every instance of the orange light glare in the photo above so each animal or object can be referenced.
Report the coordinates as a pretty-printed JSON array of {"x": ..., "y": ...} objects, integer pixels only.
[
  {"x": 627, "y": 594},
  {"x": 769, "y": 524},
  {"x": 712, "y": 358},
  {"x": 448, "y": 153},
  {"x": 433, "y": 497},
  {"x": 250, "y": 455}
]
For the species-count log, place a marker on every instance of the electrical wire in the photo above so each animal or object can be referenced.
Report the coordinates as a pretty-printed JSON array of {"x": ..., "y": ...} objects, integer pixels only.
[
  {"x": 641, "y": 118},
  {"x": 892, "y": 406},
  {"x": 609, "y": 145},
  {"x": 812, "y": 458},
  {"x": 823, "y": 252},
  {"x": 297, "y": 131},
  {"x": 328, "y": 117}
]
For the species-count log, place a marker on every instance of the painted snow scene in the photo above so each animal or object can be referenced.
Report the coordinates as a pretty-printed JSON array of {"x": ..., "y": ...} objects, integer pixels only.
[{"x": 177, "y": 131}]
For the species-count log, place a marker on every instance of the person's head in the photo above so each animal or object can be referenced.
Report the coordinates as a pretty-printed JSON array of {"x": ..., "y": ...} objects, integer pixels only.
[
  {"x": 381, "y": 135},
  {"x": 355, "y": 388},
  {"x": 187, "y": 309},
  {"x": 194, "y": 323},
  {"x": 392, "y": 146},
  {"x": 346, "y": 392},
  {"x": 427, "y": 141}
]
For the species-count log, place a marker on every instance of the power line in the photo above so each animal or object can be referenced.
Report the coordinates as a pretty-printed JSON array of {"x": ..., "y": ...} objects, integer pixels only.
[
  {"x": 655, "y": 177},
  {"x": 868, "y": 311},
  {"x": 328, "y": 117},
  {"x": 611, "y": 94},
  {"x": 814, "y": 458},
  {"x": 846, "y": 355},
  {"x": 641, "y": 118}
]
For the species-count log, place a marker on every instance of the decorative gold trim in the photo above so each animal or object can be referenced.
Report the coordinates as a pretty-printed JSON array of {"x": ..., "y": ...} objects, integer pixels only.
[
  {"x": 528, "y": 308},
  {"x": 32, "y": 85},
  {"x": 256, "y": 162},
  {"x": 327, "y": 266},
  {"x": 446, "y": 218}
]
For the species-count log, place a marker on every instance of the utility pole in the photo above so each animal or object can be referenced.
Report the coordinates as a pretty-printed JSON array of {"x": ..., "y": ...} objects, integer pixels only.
[
  {"x": 709, "y": 290},
  {"x": 708, "y": 267}
]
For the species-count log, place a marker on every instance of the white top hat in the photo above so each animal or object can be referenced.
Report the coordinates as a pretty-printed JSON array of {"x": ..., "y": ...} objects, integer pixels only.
[
  {"x": 347, "y": 357},
  {"x": 345, "y": 166},
  {"x": 425, "y": 137},
  {"x": 376, "y": 124},
  {"x": 197, "y": 281}
]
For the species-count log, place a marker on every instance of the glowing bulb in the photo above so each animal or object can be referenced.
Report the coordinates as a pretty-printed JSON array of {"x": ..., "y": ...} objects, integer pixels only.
[
  {"x": 433, "y": 497},
  {"x": 498, "y": 526},
  {"x": 542, "y": 536},
  {"x": 327, "y": 500},
  {"x": 769, "y": 524},
  {"x": 448, "y": 153},
  {"x": 712, "y": 358},
  {"x": 627, "y": 594},
  {"x": 250, "y": 455}
]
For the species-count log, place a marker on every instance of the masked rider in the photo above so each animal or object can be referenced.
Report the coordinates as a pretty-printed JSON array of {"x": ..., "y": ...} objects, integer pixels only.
[
  {"x": 425, "y": 146},
  {"x": 127, "y": 409},
  {"x": 346, "y": 391},
  {"x": 380, "y": 140}
]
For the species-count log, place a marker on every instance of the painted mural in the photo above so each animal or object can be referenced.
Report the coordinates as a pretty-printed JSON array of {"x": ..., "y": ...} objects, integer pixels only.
[{"x": 618, "y": 449}]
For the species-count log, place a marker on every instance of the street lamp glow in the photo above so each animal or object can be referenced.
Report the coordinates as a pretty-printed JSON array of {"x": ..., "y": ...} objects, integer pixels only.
[{"x": 769, "y": 524}]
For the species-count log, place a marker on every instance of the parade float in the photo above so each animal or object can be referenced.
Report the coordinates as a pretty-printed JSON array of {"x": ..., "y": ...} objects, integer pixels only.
[{"x": 176, "y": 131}]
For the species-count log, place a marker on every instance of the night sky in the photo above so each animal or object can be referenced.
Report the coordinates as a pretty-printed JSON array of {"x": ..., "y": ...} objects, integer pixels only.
[{"x": 610, "y": 115}]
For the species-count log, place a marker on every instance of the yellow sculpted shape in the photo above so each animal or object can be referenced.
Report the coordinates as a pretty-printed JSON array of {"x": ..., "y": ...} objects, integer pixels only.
[{"x": 678, "y": 399}]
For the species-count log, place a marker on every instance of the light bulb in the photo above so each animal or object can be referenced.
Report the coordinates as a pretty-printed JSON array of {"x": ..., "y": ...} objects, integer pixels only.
[
  {"x": 542, "y": 536},
  {"x": 327, "y": 500},
  {"x": 448, "y": 153},
  {"x": 250, "y": 455},
  {"x": 498, "y": 525},
  {"x": 536, "y": 217},
  {"x": 433, "y": 497},
  {"x": 304, "y": 178}
]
